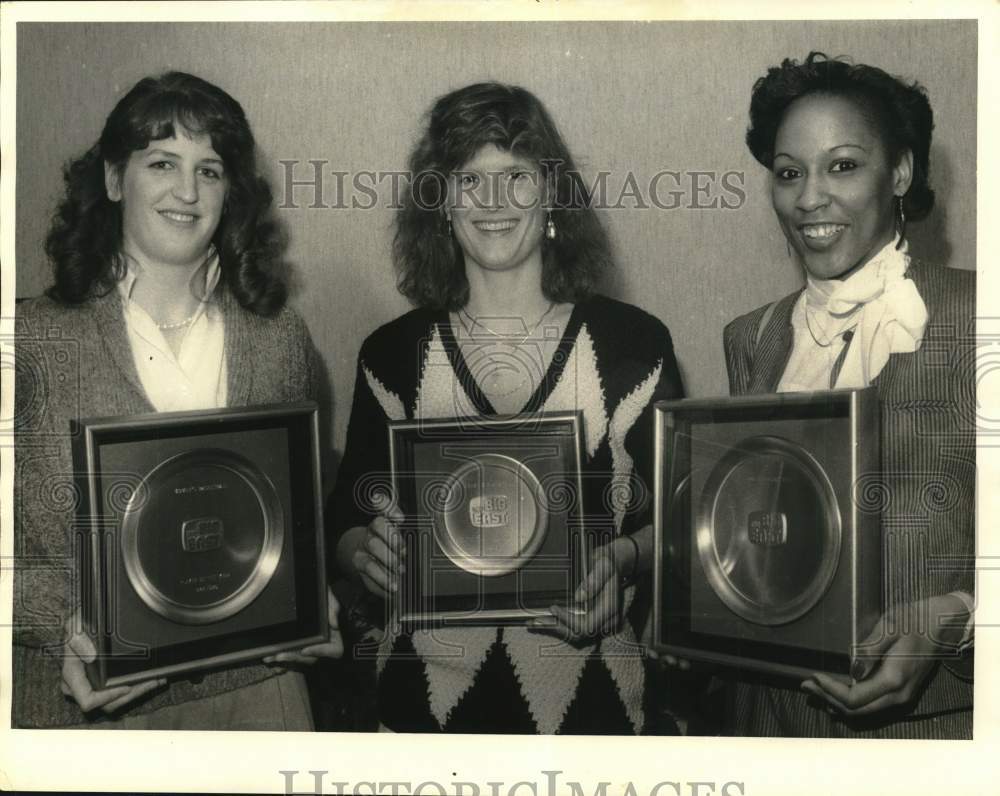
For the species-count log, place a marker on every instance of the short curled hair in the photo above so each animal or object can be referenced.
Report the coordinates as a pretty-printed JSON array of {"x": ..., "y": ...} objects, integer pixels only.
[
  {"x": 899, "y": 111},
  {"x": 84, "y": 243},
  {"x": 429, "y": 261}
]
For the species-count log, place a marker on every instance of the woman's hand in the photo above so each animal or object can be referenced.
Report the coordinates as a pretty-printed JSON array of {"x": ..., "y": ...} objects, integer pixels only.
[
  {"x": 904, "y": 646},
  {"x": 334, "y": 648},
  {"x": 670, "y": 660},
  {"x": 598, "y": 604},
  {"x": 378, "y": 555},
  {"x": 78, "y": 651}
]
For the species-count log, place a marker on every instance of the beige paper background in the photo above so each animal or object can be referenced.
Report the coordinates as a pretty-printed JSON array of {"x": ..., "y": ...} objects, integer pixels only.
[{"x": 628, "y": 96}]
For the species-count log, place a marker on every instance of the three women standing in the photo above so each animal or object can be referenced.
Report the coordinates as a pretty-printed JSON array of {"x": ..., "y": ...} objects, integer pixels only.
[{"x": 166, "y": 278}]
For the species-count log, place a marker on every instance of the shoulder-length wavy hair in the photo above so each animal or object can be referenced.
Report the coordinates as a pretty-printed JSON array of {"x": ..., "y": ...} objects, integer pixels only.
[
  {"x": 429, "y": 261},
  {"x": 84, "y": 242},
  {"x": 899, "y": 111}
]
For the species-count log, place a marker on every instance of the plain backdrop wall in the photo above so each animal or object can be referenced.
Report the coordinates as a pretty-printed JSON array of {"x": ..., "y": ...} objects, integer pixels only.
[{"x": 635, "y": 98}]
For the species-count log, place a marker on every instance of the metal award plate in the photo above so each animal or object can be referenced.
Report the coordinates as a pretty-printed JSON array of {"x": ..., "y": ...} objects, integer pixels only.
[
  {"x": 193, "y": 556},
  {"x": 768, "y": 530},
  {"x": 764, "y": 560},
  {"x": 202, "y": 539},
  {"x": 493, "y": 517}
]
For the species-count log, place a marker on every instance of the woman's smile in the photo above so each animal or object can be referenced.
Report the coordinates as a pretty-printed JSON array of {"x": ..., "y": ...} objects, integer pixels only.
[
  {"x": 820, "y": 236},
  {"x": 179, "y": 217},
  {"x": 495, "y": 226}
]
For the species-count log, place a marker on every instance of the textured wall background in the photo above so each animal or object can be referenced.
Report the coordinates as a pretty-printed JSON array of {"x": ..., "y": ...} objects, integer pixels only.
[{"x": 639, "y": 97}]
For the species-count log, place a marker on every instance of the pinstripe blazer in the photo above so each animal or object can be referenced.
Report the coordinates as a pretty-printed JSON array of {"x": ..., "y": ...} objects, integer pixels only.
[{"x": 924, "y": 489}]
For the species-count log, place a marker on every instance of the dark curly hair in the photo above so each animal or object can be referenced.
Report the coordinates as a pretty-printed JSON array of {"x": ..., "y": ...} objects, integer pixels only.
[
  {"x": 899, "y": 111},
  {"x": 429, "y": 261},
  {"x": 85, "y": 237}
]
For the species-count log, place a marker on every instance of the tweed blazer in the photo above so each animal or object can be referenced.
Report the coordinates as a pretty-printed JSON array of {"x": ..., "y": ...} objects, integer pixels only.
[
  {"x": 925, "y": 486},
  {"x": 75, "y": 362}
]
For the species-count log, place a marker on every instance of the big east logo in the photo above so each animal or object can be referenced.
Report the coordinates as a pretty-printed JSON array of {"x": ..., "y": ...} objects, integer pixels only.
[{"x": 489, "y": 511}]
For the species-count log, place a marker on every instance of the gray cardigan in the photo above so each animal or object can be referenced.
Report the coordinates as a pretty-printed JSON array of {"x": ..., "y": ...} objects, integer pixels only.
[{"x": 75, "y": 362}]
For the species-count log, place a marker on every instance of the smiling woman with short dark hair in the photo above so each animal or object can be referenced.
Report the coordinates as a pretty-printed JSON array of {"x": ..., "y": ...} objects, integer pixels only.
[{"x": 847, "y": 146}]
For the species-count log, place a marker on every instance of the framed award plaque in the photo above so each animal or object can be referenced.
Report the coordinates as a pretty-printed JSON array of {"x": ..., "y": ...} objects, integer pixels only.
[
  {"x": 202, "y": 539},
  {"x": 493, "y": 517},
  {"x": 766, "y": 558}
]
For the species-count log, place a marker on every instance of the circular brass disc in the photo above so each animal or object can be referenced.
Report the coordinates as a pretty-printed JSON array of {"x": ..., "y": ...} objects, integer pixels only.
[
  {"x": 202, "y": 536},
  {"x": 768, "y": 530},
  {"x": 495, "y": 515}
]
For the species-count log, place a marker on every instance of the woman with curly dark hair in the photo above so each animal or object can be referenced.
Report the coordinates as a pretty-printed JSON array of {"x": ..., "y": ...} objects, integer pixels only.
[
  {"x": 500, "y": 250},
  {"x": 848, "y": 150},
  {"x": 168, "y": 289}
]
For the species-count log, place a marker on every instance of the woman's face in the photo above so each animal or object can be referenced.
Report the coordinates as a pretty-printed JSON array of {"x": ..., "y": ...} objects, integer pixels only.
[
  {"x": 172, "y": 194},
  {"x": 833, "y": 187},
  {"x": 496, "y": 209}
]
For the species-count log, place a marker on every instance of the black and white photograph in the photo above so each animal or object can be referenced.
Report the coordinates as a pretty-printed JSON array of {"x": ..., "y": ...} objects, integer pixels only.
[{"x": 388, "y": 384}]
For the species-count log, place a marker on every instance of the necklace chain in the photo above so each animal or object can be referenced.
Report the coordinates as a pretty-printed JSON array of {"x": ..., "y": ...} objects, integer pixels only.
[
  {"x": 167, "y": 327},
  {"x": 827, "y": 344},
  {"x": 506, "y": 338}
]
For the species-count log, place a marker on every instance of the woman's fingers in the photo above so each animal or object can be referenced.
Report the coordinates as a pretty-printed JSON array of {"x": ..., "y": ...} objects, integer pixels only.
[
  {"x": 75, "y": 684},
  {"x": 333, "y": 612},
  {"x": 334, "y": 648},
  {"x": 384, "y": 554},
  {"x": 576, "y": 625},
  {"x": 387, "y": 507},
  {"x": 274, "y": 663},
  {"x": 301, "y": 657},
  {"x": 134, "y": 693},
  {"x": 375, "y": 576},
  {"x": 379, "y": 558},
  {"x": 850, "y": 700},
  {"x": 393, "y": 514},
  {"x": 376, "y": 568},
  {"x": 381, "y": 553},
  {"x": 676, "y": 663},
  {"x": 82, "y": 647},
  {"x": 600, "y": 573},
  {"x": 553, "y": 626},
  {"x": 868, "y": 653},
  {"x": 596, "y": 611}
]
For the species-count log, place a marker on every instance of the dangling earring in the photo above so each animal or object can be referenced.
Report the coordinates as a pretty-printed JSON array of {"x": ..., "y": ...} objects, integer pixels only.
[
  {"x": 788, "y": 248},
  {"x": 447, "y": 221},
  {"x": 901, "y": 221},
  {"x": 550, "y": 228}
]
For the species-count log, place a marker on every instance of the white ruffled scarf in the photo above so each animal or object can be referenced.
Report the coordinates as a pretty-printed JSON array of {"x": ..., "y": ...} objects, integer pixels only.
[{"x": 881, "y": 306}]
